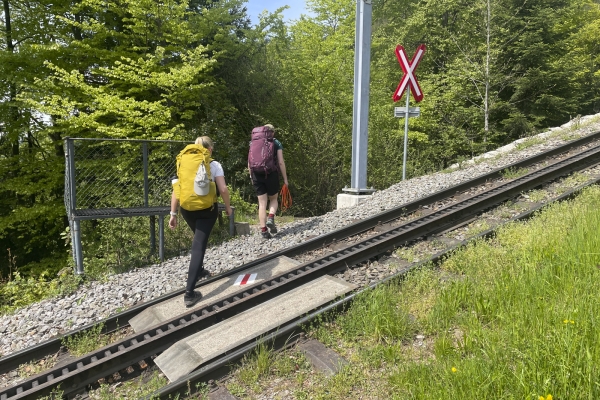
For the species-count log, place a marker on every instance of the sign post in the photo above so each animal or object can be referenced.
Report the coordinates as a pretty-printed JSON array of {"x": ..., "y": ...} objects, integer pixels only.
[{"x": 408, "y": 83}]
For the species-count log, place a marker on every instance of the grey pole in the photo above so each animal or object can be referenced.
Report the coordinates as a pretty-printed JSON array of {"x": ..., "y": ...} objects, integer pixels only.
[
  {"x": 146, "y": 191},
  {"x": 360, "y": 111},
  {"x": 406, "y": 131},
  {"x": 75, "y": 225},
  {"x": 161, "y": 238}
]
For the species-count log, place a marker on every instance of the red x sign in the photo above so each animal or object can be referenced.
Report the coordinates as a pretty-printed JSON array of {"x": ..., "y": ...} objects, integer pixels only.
[{"x": 409, "y": 78}]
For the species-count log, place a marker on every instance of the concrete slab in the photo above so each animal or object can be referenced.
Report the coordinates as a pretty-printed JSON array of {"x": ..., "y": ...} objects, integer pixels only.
[
  {"x": 322, "y": 358},
  {"x": 212, "y": 292},
  {"x": 188, "y": 354},
  {"x": 345, "y": 200},
  {"x": 242, "y": 228}
]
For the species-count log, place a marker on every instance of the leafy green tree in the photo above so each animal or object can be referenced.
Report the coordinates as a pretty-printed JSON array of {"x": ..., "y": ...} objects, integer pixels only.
[
  {"x": 136, "y": 69},
  {"x": 31, "y": 195}
]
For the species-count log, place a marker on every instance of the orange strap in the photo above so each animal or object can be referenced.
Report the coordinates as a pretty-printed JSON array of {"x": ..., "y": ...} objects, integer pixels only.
[{"x": 286, "y": 198}]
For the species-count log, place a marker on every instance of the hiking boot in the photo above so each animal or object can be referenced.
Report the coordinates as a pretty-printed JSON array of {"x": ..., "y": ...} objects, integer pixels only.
[
  {"x": 271, "y": 224},
  {"x": 265, "y": 234},
  {"x": 190, "y": 300}
]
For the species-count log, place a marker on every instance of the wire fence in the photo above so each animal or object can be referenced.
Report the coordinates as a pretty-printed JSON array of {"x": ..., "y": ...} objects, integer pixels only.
[{"x": 105, "y": 173}]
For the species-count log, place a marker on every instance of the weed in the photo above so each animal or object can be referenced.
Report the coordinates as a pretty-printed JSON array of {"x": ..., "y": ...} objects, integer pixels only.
[
  {"x": 85, "y": 342},
  {"x": 478, "y": 227},
  {"x": 256, "y": 365},
  {"x": 513, "y": 173},
  {"x": 31, "y": 368},
  {"x": 407, "y": 253},
  {"x": 143, "y": 386},
  {"x": 538, "y": 196},
  {"x": 529, "y": 142},
  {"x": 55, "y": 394}
]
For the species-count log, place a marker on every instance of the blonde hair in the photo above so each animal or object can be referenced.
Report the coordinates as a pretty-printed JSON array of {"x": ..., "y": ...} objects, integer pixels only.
[
  {"x": 270, "y": 127},
  {"x": 205, "y": 141}
]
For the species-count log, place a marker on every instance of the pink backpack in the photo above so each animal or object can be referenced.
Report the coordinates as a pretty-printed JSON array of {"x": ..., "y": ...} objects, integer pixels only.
[{"x": 261, "y": 156}]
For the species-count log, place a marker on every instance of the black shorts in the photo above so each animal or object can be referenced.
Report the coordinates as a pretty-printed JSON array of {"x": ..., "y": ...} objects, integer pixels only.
[{"x": 268, "y": 183}]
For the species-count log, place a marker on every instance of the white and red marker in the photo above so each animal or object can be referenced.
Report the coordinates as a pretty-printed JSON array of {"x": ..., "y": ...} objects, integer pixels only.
[
  {"x": 246, "y": 279},
  {"x": 409, "y": 78}
]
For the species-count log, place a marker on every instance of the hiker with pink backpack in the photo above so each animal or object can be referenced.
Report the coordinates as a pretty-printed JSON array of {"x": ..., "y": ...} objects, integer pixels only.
[{"x": 265, "y": 162}]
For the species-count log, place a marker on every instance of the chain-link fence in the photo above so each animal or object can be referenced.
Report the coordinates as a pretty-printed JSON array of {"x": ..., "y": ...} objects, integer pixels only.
[
  {"x": 119, "y": 173},
  {"x": 113, "y": 178}
]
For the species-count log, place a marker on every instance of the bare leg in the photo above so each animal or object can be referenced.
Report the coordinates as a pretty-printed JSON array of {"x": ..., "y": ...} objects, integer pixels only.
[
  {"x": 262, "y": 210},
  {"x": 273, "y": 204}
]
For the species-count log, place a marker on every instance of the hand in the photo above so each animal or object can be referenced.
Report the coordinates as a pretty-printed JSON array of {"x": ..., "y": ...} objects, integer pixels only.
[
  {"x": 173, "y": 222},
  {"x": 228, "y": 210},
  {"x": 285, "y": 182}
]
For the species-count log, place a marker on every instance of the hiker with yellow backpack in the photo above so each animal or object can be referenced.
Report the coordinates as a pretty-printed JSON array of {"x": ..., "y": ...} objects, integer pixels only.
[{"x": 195, "y": 194}]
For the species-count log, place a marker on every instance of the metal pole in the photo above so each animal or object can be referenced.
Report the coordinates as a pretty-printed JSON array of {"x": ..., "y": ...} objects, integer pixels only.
[
  {"x": 78, "y": 249},
  {"x": 145, "y": 161},
  {"x": 232, "y": 222},
  {"x": 161, "y": 238},
  {"x": 406, "y": 131},
  {"x": 360, "y": 112},
  {"x": 75, "y": 224},
  {"x": 146, "y": 195}
]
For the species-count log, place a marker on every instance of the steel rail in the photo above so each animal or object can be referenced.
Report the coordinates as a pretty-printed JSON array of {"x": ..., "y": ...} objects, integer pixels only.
[
  {"x": 52, "y": 346},
  {"x": 213, "y": 367},
  {"x": 117, "y": 356}
]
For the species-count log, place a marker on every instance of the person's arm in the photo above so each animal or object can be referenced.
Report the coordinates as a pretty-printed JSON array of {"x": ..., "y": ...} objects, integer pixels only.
[
  {"x": 250, "y": 171},
  {"x": 282, "y": 166},
  {"x": 224, "y": 192},
  {"x": 174, "y": 207}
]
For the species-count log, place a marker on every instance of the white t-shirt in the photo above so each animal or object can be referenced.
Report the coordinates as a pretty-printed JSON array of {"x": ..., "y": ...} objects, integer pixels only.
[{"x": 216, "y": 169}]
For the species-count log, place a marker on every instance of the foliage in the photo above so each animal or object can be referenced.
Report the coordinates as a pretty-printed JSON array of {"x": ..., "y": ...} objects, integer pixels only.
[
  {"x": 242, "y": 207},
  {"x": 19, "y": 291}
]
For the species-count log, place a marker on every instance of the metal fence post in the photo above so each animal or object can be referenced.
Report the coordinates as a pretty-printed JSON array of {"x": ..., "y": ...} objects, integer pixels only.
[
  {"x": 232, "y": 222},
  {"x": 78, "y": 248},
  {"x": 146, "y": 195},
  {"x": 161, "y": 238},
  {"x": 74, "y": 224}
]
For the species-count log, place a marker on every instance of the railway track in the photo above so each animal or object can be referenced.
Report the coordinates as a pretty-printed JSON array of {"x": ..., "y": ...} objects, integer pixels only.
[{"x": 94, "y": 366}]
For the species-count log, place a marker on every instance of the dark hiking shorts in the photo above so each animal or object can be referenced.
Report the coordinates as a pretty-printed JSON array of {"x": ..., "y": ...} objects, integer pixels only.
[{"x": 268, "y": 184}]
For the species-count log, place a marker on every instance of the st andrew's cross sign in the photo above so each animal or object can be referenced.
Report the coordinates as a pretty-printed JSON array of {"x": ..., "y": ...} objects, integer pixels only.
[
  {"x": 409, "y": 78},
  {"x": 408, "y": 84}
]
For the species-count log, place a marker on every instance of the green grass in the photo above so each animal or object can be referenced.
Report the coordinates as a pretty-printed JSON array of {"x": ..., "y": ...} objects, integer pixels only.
[{"x": 527, "y": 309}]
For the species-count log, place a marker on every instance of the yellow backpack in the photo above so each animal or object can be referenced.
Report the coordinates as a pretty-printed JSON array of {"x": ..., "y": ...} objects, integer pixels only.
[{"x": 189, "y": 162}]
